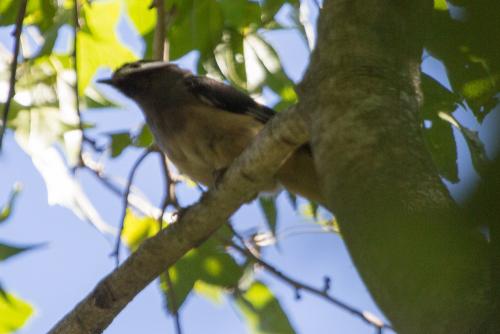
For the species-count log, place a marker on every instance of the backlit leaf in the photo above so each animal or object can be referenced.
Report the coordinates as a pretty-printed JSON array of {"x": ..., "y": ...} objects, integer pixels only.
[
  {"x": 208, "y": 263},
  {"x": 7, "y": 251},
  {"x": 98, "y": 44},
  {"x": 137, "y": 229},
  {"x": 268, "y": 206},
  {"x": 197, "y": 25},
  {"x": 119, "y": 142},
  {"x": 262, "y": 311},
  {"x": 15, "y": 312}
]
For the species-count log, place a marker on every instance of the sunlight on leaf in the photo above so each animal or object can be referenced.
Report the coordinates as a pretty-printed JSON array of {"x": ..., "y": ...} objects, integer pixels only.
[
  {"x": 143, "y": 18},
  {"x": 14, "y": 313},
  {"x": 137, "y": 229},
  {"x": 262, "y": 311},
  {"x": 209, "y": 263},
  {"x": 440, "y": 5},
  {"x": 98, "y": 44},
  {"x": 212, "y": 292},
  {"x": 476, "y": 147}
]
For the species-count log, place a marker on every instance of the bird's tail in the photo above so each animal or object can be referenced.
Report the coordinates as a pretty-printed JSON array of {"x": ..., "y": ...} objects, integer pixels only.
[{"x": 298, "y": 175}]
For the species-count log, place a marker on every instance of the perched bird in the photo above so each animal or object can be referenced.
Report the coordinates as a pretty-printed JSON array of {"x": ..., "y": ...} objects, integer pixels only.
[{"x": 202, "y": 125}]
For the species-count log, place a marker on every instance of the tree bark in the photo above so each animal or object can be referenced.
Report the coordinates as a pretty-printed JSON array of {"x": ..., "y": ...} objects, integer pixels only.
[
  {"x": 424, "y": 265},
  {"x": 246, "y": 176}
]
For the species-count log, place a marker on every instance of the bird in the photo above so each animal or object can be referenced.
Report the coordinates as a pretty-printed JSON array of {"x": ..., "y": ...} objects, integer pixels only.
[{"x": 202, "y": 124}]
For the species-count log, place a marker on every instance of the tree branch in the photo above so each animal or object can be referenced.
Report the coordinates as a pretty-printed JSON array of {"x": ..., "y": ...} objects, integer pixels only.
[
  {"x": 137, "y": 163},
  {"x": 363, "y": 315},
  {"x": 417, "y": 256},
  {"x": 13, "y": 68},
  {"x": 248, "y": 174}
]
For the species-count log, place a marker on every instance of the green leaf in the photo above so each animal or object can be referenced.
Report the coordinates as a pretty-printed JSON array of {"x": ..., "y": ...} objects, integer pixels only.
[
  {"x": 268, "y": 60},
  {"x": 477, "y": 149},
  {"x": 143, "y": 18},
  {"x": 144, "y": 138},
  {"x": 7, "y": 251},
  {"x": 8, "y": 11},
  {"x": 119, "y": 142},
  {"x": 209, "y": 264},
  {"x": 437, "y": 98},
  {"x": 197, "y": 25},
  {"x": 240, "y": 14},
  {"x": 476, "y": 146},
  {"x": 440, "y": 5},
  {"x": 212, "y": 292},
  {"x": 268, "y": 207},
  {"x": 230, "y": 60},
  {"x": 263, "y": 311},
  {"x": 441, "y": 143},
  {"x": 15, "y": 312},
  {"x": 98, "y": 44},
  {"x": 137, "y": 229},
  {"x": 38, "y": 12},
  {"x": 439, "y": 136},
  {"x": 6, "y": 210}
]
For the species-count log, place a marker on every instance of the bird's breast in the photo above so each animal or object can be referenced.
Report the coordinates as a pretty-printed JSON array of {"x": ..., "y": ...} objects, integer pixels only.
[{"x": 202, "y": 140}]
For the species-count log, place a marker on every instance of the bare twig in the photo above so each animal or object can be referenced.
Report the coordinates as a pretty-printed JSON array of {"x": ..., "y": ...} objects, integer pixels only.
[
  {"x": 92, "y": 142},
  {"x": 170, "y": 197},
  {"x": 160, "y": 49},
  {"x": 173, "y": 302},
  {"x": 116, "y": 252},
  {"x": 76, "y": 23},
  {"x": 246, "y": 176},
  {"x": 13, "y": 67},
  {"x": 135, "y": 201},
  {"x": 160, "y": 52},
  {"x": 298, "y": 286}
]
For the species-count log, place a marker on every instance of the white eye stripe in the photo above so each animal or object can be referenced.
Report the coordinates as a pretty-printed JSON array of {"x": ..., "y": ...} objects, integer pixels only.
[{"x": 140, "y": 66}]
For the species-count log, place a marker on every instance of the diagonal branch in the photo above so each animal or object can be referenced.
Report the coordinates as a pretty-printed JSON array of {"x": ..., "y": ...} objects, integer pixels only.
[
  {"x": 13, "y": 67},
  {"x": 248, "y": 174},
  {"x": 323, "y": 293}
]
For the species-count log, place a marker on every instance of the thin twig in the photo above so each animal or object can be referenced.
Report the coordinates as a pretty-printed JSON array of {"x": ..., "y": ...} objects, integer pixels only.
[
  {"x": 160, "y": 52},
  {"x": 116, "y": 252},
  {"x": 13, "y": 67},
  {"x": 323, "y": 293},
  {"x": 76, "y": 16},
  {"x": 173, "y": 302},
  {"x": 135, "y": 201},
  {"x": 170, "y": 197},
  {"x": 92, "y": 142},
  {"x": 159, "y": 35}
]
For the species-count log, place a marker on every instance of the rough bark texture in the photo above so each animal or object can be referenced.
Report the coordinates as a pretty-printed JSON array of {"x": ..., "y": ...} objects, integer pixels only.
[
  {"x": 424, "y": 266},
  {"x": 242, "y": 181}
]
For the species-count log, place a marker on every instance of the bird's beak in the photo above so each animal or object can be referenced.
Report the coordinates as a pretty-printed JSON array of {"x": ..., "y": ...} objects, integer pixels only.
[{"x": 109, "y": 81}]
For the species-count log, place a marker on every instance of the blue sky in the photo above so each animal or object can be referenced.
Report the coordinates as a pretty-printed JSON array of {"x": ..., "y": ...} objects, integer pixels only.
[{"x": 75, "y": 256}]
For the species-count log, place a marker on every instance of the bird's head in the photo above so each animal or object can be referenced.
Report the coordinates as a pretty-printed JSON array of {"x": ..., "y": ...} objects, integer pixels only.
[{"x": 142, "y": 79}]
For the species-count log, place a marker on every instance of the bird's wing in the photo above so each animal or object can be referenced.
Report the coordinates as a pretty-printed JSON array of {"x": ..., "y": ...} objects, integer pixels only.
[{"x": 227, "y": 98}]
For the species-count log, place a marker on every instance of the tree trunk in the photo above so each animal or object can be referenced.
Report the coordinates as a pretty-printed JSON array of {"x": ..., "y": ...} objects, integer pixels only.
[{"x": 426, "y": 268}]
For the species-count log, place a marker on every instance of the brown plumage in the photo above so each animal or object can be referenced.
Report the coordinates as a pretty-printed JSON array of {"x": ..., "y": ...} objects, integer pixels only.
[{"x": 202, "y": 125}]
